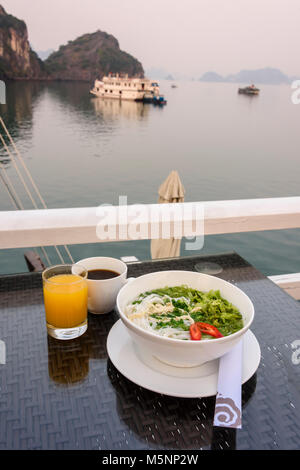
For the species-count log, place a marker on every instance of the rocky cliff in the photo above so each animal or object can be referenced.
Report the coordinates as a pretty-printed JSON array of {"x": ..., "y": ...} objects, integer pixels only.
[
  {"x": 86, "y": 58},
  {"x": 17, "y": 59},
  {"x": 91, "y": 56}
]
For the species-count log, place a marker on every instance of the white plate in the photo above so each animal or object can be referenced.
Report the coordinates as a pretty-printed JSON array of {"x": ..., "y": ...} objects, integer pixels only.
[{"x": 150, "y": 373}]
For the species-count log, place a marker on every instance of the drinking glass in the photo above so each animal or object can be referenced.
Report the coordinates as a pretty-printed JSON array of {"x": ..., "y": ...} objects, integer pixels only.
[{"x": 65, "y": 297}]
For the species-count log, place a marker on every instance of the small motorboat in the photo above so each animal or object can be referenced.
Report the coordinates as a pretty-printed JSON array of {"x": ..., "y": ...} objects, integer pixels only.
[
  {"x": 249, "y": 90},
  {"x": 159, "y": 100}
]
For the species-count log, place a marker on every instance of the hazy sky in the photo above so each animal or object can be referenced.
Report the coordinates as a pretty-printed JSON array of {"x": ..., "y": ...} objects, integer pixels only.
[{"x": 188, "y": 37}]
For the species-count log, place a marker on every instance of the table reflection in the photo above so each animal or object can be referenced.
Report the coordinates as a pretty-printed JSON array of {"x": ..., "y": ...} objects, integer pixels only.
[
  {"x": 68, "y": 361},
  {"x": 179, "y": 423}
]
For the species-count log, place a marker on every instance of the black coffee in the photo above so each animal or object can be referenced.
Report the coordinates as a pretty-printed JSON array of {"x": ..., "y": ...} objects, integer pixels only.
[{"x": 98, "y": 274}]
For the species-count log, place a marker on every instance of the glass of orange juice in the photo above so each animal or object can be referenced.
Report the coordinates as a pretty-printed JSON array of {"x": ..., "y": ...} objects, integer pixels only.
[{"x": 65, "y": 298}]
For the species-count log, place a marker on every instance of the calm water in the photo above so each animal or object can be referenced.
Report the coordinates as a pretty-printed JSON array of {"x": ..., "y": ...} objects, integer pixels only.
[{"x": 83, "y": 151}]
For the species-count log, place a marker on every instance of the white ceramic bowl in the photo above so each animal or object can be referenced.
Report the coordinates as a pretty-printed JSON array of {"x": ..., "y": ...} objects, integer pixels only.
[{"x": 177, "y": 352}]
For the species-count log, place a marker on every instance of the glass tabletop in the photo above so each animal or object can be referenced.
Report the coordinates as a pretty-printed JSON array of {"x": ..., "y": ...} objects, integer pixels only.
[{"x": 68, "y": 395}]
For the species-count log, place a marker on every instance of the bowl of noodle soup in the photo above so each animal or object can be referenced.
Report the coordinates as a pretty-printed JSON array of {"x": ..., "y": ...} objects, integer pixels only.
[{"x": 159, "y": 308}]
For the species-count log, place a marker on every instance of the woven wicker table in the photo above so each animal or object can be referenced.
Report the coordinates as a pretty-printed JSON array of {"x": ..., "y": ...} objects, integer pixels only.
[{"x": 68, "y": 395}]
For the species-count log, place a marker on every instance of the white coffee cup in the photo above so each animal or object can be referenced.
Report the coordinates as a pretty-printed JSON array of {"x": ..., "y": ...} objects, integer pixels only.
[{"x": 102, "y": 293}]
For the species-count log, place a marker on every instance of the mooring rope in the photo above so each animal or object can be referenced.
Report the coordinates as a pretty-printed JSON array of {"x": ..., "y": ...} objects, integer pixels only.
[
  {"x": 21, "y": 160},
  {"x": 10, "y": 188},
  {"x": 16, "y": 200}
]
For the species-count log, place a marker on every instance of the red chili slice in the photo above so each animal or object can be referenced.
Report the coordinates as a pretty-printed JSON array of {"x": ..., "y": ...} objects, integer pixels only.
[
  {"x": 195, "y": 332},
  {"x": 208, "y": 329}
]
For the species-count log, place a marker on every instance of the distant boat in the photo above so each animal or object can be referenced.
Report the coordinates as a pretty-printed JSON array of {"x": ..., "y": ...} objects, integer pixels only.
[
  {"x": 249, "y": 90},
  {"x": 122, "y": 87}
]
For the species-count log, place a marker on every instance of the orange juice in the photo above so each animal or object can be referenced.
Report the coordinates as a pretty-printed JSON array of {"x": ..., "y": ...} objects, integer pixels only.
[{"x": 65, "y": 298}]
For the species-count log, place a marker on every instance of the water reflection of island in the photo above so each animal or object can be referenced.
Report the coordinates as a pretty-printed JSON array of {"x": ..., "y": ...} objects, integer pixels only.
[
  {"x": 20, "y": 99},
  {"x": 18, "y": 111},
  {"x": 113, "y": 108}
]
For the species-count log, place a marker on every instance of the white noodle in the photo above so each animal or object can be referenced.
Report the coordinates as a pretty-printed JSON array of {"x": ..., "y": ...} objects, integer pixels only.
[{"x": 140, "y": 315}]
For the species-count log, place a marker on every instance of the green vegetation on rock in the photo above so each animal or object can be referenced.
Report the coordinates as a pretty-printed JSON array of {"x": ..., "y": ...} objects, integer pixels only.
[{"x": 91, "y": 56}]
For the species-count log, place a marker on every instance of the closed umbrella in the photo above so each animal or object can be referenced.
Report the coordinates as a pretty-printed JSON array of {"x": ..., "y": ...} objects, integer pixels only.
[{"x": 170, "y": 191}]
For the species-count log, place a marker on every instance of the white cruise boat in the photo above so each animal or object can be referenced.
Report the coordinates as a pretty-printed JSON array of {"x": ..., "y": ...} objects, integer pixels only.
[{"x": 124, "y": 88}]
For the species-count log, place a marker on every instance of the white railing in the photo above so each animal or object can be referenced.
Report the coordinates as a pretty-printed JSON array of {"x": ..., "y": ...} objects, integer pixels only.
[{"x": 47, "y": 227}]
